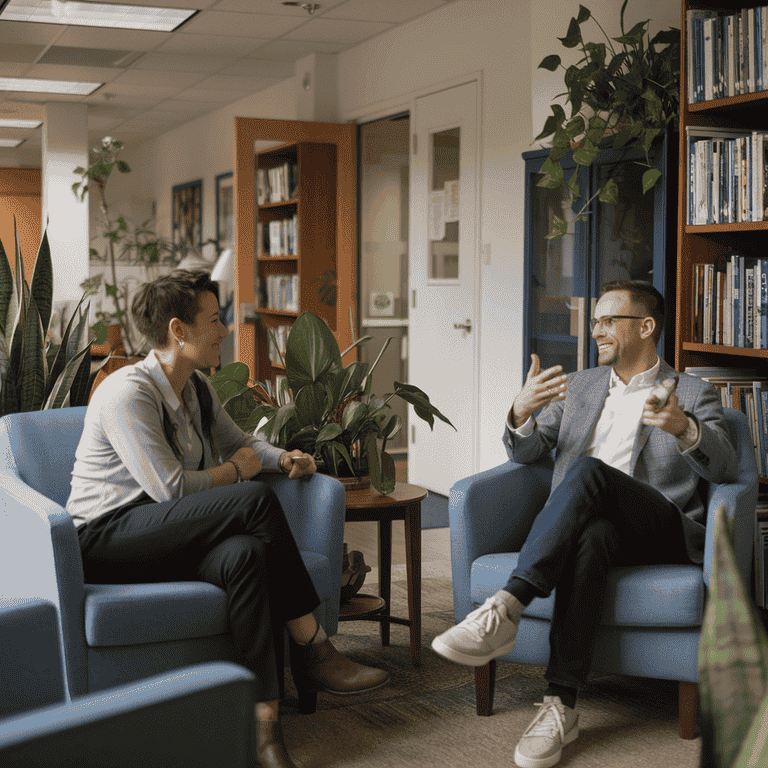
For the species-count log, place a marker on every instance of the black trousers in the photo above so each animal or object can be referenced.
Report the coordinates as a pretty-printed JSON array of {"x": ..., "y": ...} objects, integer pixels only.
[
  {"x": 597, "y": 518},
  {"x": 235, "y": 537}
]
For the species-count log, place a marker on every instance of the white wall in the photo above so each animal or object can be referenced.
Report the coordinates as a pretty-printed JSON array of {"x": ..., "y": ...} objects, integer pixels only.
[{"x": 506, "y": 39}]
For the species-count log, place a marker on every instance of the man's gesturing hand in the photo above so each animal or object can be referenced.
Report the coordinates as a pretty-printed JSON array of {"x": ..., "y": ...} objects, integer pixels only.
[{"x": 540, "y": 389}]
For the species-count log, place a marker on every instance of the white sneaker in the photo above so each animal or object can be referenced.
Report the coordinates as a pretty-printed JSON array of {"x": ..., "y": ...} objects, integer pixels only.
[
  {"x": 486, "y": 633},
  {"x": 555, "y": 726}
]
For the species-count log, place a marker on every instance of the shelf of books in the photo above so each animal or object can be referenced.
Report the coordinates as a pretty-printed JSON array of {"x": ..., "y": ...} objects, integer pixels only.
[
  {"x": 722, "y": 267},
  {"x": 295, "y": 240}
]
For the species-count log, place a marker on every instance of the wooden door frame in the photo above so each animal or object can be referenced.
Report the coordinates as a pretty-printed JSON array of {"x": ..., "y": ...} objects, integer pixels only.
[{"x": 344, "y": 136}]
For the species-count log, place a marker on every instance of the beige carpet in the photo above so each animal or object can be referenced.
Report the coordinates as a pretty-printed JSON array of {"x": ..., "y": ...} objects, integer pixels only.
[{"x": 426, "y": 716}]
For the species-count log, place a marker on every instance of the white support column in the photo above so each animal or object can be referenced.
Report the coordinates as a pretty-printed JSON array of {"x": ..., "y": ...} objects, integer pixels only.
[
  {"x": 316, "y": 89},
  {"x": 65, "y": 147}
]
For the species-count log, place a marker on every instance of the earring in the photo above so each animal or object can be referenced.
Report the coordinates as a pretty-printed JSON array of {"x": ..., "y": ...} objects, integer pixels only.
[{"x": 181, "y": 344}]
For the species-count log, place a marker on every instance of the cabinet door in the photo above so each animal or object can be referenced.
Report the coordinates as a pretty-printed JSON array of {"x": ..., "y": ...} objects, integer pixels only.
[{"x": 556, "y": 323}]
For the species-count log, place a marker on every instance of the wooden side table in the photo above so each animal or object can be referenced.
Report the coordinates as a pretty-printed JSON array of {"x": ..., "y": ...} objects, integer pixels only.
[{"x": 404, "y": 503}]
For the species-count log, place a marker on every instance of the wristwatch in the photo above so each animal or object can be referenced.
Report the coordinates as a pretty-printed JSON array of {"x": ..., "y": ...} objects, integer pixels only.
[{"x": 282, "y": 466}]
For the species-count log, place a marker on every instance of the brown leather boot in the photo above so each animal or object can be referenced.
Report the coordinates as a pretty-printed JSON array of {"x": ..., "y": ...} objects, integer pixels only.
[
  {"x": 320, "y": 667},
  {"x": 270, "y": 747}
]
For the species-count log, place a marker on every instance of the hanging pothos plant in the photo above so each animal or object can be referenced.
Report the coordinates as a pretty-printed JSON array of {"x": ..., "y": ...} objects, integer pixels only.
[{"x": 629, "y": 91}]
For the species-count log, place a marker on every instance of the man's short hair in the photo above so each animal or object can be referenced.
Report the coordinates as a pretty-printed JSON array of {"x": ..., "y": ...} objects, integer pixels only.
[
  {"x": 646, "y": 295},
  {"x": 156, "y": 303}
]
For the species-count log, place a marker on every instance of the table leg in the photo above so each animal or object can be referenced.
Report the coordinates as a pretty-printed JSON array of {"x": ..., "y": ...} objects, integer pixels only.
[
  {"x": 385, "y": 573},
  {"x": 413, "y": 572}
]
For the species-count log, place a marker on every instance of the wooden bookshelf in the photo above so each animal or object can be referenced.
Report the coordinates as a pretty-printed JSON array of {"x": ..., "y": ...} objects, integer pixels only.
[
  {"x": 326, "y": 206},
  {"x": 713, "y": 243}
]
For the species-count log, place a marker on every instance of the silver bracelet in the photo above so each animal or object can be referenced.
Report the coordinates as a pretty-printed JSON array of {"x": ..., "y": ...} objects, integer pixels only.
[{"x": 237, "y": 469}]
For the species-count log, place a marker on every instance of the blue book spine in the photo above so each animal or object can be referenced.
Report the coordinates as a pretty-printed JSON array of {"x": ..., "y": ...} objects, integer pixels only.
[
  {"x": 764, "y": 305},
  {"x": 738, "y": 330},
  {"x": 764, "y": 397}
]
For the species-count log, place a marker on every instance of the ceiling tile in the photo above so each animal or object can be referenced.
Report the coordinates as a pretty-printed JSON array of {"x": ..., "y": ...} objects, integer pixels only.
[
  {"x": 259, "y": 26},
  {"x": 272, "y": 6},
  {"x": 196, "y": 4},
  {"x": 293, "y": 50},
  {"x": 102, "y": 123},
  {"x": 83, "y": 57},
  {"x": 339, "y": 31},
  {"x": 391, "y": 11},
  {"x": 179, "y": 62},
  {"x": 12, "y": 70},
  {"x": 20, "y": 52},
  {"x": 149, "y": 91},
  {"x": 122, "y": 39},
  {"x": 33, "y": 34},
  {"x": 179, "y": 105},
  {"x": 220, "y": 96},
  {"x": 231, "y": 83},
  {"x": 279, "y": 70},
  {"x": 80, "y": 74},
  {"x": 141, "y": 77},
  {"x": 213, "y": 45}
]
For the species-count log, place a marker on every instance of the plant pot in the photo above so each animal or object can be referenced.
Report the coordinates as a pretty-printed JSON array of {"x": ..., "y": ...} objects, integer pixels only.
[{"x": 352, "y": 483}]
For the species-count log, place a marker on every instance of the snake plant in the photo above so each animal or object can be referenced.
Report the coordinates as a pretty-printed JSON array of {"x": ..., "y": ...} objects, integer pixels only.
[{"x": 34, "y": 373}]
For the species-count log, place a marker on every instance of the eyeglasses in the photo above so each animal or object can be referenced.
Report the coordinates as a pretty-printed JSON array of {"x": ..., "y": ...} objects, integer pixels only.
[{"x": 607, "y": 321}]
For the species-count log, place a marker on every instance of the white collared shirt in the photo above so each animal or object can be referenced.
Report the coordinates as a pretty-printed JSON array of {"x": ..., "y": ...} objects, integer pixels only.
[
  {"x": 123, "y": 451},
  {"x": 616, "y": 429}
]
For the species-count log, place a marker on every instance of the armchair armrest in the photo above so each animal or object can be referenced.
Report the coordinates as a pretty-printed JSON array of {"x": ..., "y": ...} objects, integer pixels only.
[
  {"x": 315, "y": 508},
  {"x": 492, "y": 511},
  {"x": 198, "y": 716},
  {"x": 40, "y": 557}
]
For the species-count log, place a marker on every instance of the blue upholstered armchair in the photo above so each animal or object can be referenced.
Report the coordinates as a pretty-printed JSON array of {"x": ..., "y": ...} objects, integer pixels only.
[
  {"x": 114, "y": 634},
  {"x": 652, "y": 615},
  {"x": 196, "y": 716}
]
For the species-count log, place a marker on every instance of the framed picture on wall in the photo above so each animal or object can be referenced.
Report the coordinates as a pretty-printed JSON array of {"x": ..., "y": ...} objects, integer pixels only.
[
  {"x": 225, "y": 211},
  {"x": 188, "y": 215}
]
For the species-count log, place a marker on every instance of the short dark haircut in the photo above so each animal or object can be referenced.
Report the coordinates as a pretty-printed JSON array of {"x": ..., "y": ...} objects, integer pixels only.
[
  {"x": 156, "y": 303},
  {"x": 646, "y": 295}
]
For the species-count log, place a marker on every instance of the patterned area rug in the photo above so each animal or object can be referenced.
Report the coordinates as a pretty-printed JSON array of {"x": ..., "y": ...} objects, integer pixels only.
[{"x": 426, "y": 716}]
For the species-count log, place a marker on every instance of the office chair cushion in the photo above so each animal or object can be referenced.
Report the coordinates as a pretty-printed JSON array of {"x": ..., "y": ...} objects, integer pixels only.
[{"x": 636, "y": 596}]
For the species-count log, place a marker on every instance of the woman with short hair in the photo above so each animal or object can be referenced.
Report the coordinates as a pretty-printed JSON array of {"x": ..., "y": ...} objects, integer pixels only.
[{"x": 157, "y": 496}]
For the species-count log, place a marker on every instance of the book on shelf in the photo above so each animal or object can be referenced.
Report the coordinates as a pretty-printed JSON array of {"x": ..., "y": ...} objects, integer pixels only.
[
  {"x": 727, "y": 175},
  {"x": 730, "y": 306},
  {"x": 726, "y": 52},
  {"x": 746, "y": 390},
  {"x": 280, "y": 334},
  {"x": 282, "y": 292}
]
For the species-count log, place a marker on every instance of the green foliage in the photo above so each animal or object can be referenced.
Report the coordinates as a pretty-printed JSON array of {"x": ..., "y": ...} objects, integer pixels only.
[
  {"x": 630, "y": 92},
  {"x": 124, "y": 240},
  {"x": 733, "y": 666},
  {"x": 34, "y": 374},
  {"x": 324, "y": 408}
]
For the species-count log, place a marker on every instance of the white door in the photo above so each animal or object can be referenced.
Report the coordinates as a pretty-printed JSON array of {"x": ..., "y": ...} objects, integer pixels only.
[{"x": 444, "y": 285}]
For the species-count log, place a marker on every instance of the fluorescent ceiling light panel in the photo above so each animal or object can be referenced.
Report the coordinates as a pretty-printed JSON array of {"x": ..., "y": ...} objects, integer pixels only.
[
  {"x": 31, "y": 85},
  {"x": 10, "y": 142},
  {"x": 6, "y": 122},
  {"x": 96, "y": 14}
]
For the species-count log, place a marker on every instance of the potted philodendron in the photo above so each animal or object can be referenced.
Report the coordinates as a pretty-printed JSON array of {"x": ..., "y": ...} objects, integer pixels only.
[
  {"x": 34, "y": 373},
  {"x": 626, "y": 90},
  {"x": 323, "y": 407}
]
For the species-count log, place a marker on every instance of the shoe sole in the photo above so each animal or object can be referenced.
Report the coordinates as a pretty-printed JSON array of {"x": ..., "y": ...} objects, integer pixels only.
[
  {"x": 546, "y": 762},
  {"x": 438, "y": 646}
]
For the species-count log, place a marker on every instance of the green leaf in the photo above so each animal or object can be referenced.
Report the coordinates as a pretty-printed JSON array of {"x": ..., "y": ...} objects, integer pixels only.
[
  {"x": 586, "y": 153},
  {"x": 622, "y": 137},
  {"x": 650, "y": 177},
  {"x": 420, "y": 402},
  {"x": 311, "y": 404},
  {"x": 635, "y": 35},
  {"x": 394, "y": 425},
  {"x": 573, "y": 183},
  {"x": 240, "y": 407},
  {"x": 123, "y": 167},
  {"x": 333, "y": 453},
  {"x": 354, "y": 415},
  {"x": 329, "y": 432},
  {"x": 233, "y": 372},
  {"x": 551, "y": 175},
  {"x": 380, "y": 466},
  {"x": 609, "y": 192},
  {"x": 42, "y": 282},
  {"x": 573, "y": 38},
  {"x": 61, "y": 387},
  {"x": 559, "y": 228},
  {"x": 754, "y": 750},
  {"x": 100, "y": 331},
  {"x": 7, "y": 293},
  {"x": 311, "y": 351},
  {"x": 584, "y": 14},
  {"x": 733, "y": 651},
  {"x": 32, "y": 370},
  {"x": 550, "y": 63},
  {"x": 80, "y": 391}
]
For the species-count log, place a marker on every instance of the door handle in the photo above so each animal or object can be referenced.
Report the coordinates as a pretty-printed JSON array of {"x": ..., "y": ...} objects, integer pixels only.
[{"x": 465, "y": 326}]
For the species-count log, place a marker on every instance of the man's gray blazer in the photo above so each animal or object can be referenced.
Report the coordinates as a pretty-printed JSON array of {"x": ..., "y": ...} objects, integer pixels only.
[{"x": 567, "y": 426}]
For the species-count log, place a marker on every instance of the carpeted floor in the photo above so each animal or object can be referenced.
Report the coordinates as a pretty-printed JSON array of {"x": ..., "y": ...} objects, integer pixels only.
[{"x": 426, "y": 716}]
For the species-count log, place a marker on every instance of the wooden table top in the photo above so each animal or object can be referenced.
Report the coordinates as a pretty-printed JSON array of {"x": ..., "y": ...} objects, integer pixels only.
[{"x": 368, "y": 498}]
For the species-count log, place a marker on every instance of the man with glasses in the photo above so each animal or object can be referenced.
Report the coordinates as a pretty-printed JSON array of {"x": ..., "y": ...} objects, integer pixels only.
[{"x": 624, "y": 492}]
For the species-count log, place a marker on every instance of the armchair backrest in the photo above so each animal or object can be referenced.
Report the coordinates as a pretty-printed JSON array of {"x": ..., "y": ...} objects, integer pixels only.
[{"x": 39, "y": 447}]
